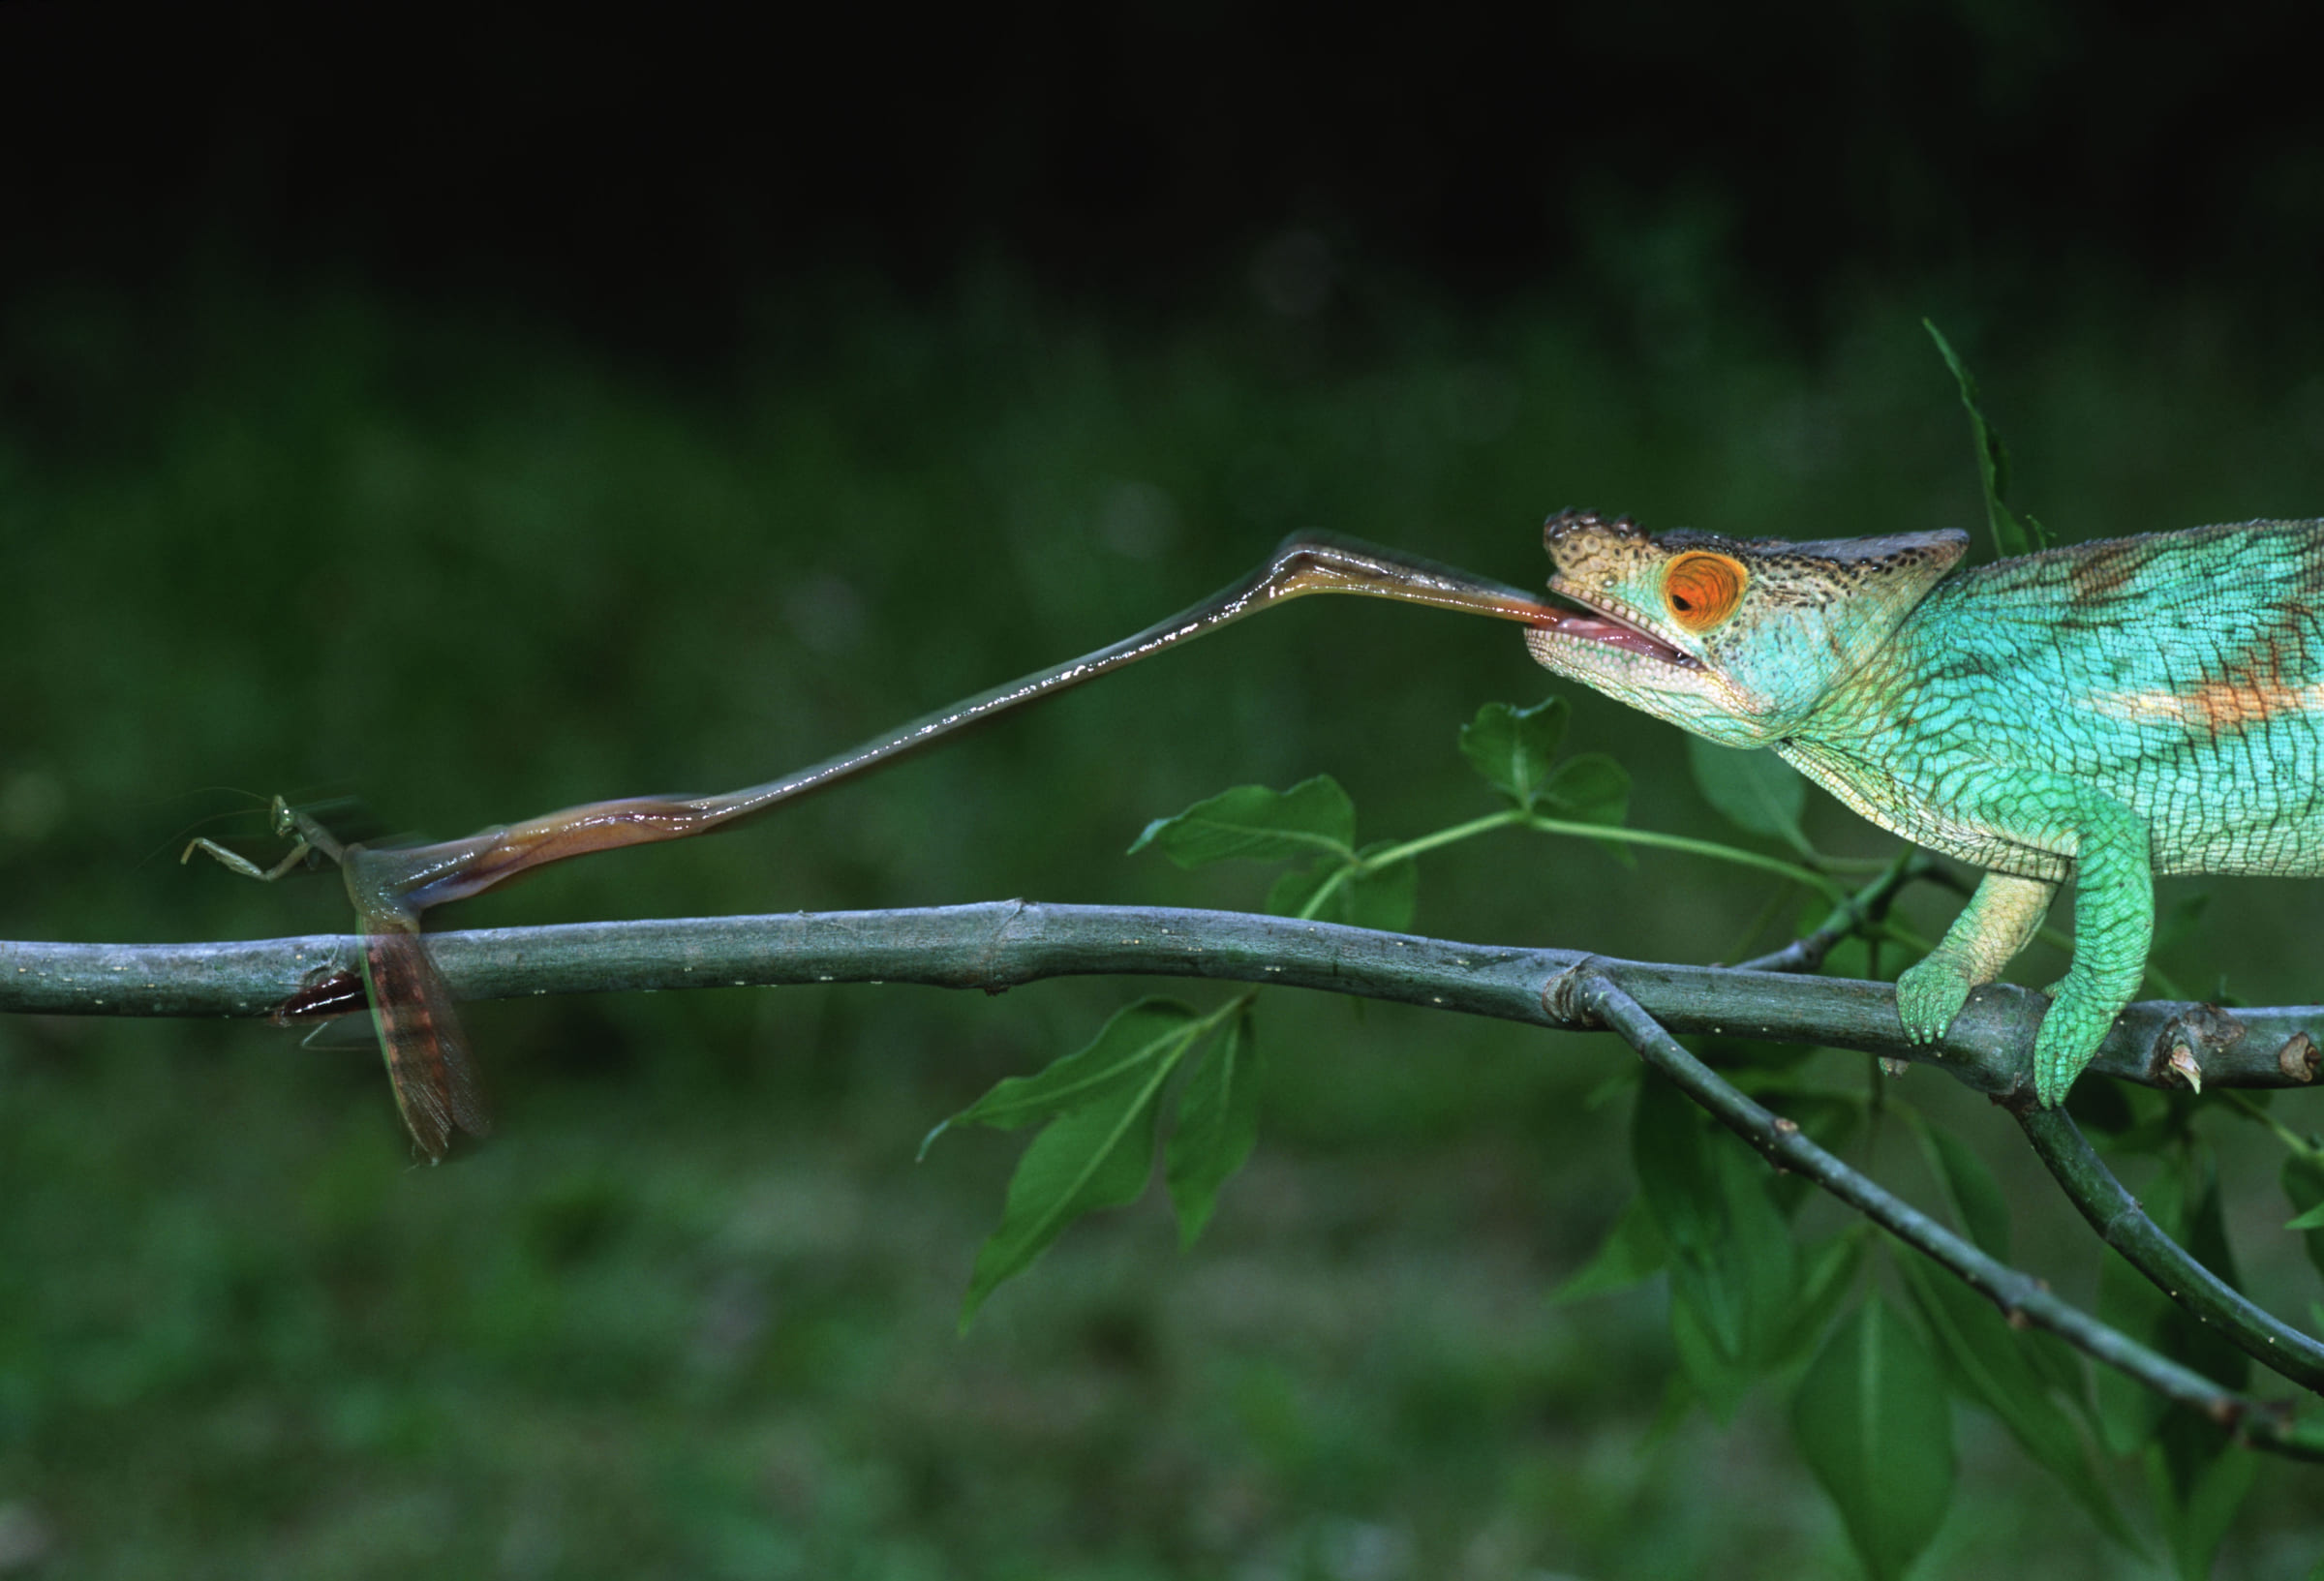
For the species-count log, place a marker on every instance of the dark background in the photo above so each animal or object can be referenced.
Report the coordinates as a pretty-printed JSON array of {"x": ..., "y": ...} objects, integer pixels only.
[
  {"x": 476, "y": 418},
  {"x": 645, "y": 181}
]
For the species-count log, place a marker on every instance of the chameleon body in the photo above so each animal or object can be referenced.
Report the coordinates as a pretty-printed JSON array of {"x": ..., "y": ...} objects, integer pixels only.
[{"x": 2105, "y": 713}]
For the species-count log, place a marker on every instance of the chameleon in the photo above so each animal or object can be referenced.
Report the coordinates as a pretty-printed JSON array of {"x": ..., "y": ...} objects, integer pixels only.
[{"x": 2105, "y": 712}]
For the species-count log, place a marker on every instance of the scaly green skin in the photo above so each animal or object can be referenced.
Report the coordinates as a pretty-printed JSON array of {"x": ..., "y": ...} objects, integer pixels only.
[{"x": 2106, "y": 713}]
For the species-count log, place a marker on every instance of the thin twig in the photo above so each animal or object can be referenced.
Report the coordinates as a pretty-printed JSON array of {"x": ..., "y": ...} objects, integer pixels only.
[
  {"x": 2021, "y": 1297},
  {"x": 1807, "y": 953},
  {"x": 2122, "y": 1224},
  {"x": 1003, "y": 943}
]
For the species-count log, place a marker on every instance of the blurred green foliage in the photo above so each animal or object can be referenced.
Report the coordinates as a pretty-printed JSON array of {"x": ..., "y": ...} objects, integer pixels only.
[{"x": 692, "y": 1312}]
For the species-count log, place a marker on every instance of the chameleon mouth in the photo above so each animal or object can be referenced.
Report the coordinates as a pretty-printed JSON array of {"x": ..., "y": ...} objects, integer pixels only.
[{"x": 1604, "y": 628}]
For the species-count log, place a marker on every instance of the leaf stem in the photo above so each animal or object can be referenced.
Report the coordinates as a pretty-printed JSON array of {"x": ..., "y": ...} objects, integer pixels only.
[
  {"x": 1411, "y": 848},
  {"x": 1508, "y": 817},
  {"x": 1813, "y": 879}
]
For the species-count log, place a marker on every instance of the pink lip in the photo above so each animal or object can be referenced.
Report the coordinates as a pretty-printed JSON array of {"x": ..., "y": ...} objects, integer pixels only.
[{"x": 1611, "y": 632}]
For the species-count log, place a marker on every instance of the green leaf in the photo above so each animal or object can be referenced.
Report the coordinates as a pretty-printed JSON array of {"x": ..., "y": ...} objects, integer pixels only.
[
  {"x": 1735, "y": 1271},
  {"x": 1755, "y": 790},
  {"x": 1588, "y": 789},
  {"x": 1591, "y": 788},
  {"x": 1256, "y": 824},
  {"x": 1297, "y": 889},
  {"x": 1095, "y": 1156},
  {"x": 1120, "y": 1056},
  {"x": 1852, "y": 958},
  {"x": 2303, "y": 1177},
  {"x": 1633, "y": 1252},
  {"x": 1382, "y": 897},
  {"x": 2103, "y": 1108},
  {"x": 1512, "y": 748},
  {"x": 1715, "y": 1374},
  {"x": 1097, "y": 1149},
  {"x": 1218, "y": 1124},
  {"x": 1873, "y": 1423},
  {"x": 2064, "y": 1369},
  {"x": 2182, "y": 1199},
  {"x": 2200, "y": 1479},
  {"x": 2129, "y": 1119},
  {"x": 1977, "y": 1200},
  {"x": 1993, "y": 1365},
  {"x": 1829, "y": 1273},
  {"x": 2201, "y": 1346},
  {"x": 2010, "y": 535},
  {"x": 2129, "y": 1412}
]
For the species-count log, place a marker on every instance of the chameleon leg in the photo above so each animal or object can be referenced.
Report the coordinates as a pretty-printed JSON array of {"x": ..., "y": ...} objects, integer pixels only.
[
  {"x": 1993, "y": 927},
  {"x": 2114, "y": 925}
]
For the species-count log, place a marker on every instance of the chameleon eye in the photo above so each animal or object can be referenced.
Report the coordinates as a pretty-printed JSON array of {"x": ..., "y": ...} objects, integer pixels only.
[{"x": 1703, "y": 590}]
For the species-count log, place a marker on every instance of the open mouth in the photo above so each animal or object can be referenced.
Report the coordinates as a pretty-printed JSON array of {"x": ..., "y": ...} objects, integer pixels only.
[{"x": 1611, "y": 630}]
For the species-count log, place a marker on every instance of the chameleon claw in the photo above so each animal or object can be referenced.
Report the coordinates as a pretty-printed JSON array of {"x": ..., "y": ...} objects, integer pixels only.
[{"x": 1929, "y": 996}]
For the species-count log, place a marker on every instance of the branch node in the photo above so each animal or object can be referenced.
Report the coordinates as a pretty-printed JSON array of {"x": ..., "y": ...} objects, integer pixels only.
[
  {"x": 2194, "y": 1034},
  {"x": 2185, "y": 1066},
  {"x": 2299, "y": 1058},
  {"x": 1567, "y": 998}
]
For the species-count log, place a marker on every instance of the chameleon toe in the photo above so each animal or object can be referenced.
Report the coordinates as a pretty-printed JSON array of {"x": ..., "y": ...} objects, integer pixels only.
[{"x": 1928, "y": 997}]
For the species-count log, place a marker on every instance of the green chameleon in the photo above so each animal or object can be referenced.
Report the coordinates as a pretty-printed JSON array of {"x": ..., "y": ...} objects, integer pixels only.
[{"x": 2105, "y": 712}]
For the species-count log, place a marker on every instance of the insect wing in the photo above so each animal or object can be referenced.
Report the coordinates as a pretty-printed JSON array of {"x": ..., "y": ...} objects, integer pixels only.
[{"x": 435, "y": 1079}]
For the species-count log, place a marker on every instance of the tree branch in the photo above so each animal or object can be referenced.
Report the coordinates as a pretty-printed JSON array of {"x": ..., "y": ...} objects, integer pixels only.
[
  {"x": 2021, "y": 1297},
  {"x": 2122, "y": 1224},
  {"x": 1000, "y": 943}
]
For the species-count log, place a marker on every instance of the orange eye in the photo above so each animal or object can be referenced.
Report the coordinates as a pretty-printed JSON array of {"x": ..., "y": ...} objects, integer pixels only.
[{"x": 1703, "y": 590}]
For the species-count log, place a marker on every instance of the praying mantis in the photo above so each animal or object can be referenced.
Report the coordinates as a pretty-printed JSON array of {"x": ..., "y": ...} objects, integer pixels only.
[{"x": 436, "y": 1088}]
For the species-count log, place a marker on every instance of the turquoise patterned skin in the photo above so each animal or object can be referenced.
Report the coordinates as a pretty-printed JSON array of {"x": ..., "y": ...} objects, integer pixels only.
[{"x": 2103, "y": 712}]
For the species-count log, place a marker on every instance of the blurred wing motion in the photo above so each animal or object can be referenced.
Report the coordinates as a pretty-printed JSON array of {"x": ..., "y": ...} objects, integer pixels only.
[{"x": 436, "y": 1086}]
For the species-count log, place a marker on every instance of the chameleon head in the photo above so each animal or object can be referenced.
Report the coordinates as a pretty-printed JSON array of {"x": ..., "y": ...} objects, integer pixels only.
[{"x": 1733, "y": 639}]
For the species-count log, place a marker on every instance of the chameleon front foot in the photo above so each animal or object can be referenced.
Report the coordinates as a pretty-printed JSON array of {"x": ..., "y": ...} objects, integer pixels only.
[
  {"x": 1994, "y": 925},
  {"x": 1929, "y": 995}
]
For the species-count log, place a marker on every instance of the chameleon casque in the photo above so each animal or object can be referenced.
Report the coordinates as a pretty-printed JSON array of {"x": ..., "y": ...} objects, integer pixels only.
[{"x": 2106, "y": 713}]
